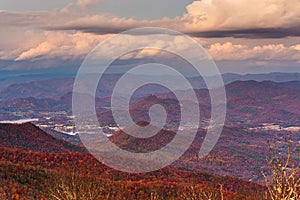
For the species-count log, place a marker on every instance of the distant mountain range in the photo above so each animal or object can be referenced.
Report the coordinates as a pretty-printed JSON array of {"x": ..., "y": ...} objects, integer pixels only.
[
  {"x": 248, "y": 102},
  {"x": 55, "y": 87},
  {"x": 251, "y": 102},
  {"x": 275, "y": 77}
]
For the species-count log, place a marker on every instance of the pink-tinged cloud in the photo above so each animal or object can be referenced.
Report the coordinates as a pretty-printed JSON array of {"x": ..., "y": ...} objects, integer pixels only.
[
  {"x": 78, "y": 45},
  {"x": 229, "y": 51},
  {"x": 42, "y": 49},
  {"x": 210, "y": 18},
  {"x": 242, "y": 14},
  {"x": 65, "y": 33},
  {"x": 206, "y": 18},
  {"x": 60, "y": 45}
]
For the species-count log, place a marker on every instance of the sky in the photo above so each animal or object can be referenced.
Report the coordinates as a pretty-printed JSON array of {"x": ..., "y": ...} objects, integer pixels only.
[
  {"x": 257, "y": 36},
  {"x": 138, "y": 9}
]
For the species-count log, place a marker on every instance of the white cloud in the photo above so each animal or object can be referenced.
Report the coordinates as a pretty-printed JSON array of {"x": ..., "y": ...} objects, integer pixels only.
[
  {"x": 242, "y": 14},
  {"x": 229, "y": 51}
]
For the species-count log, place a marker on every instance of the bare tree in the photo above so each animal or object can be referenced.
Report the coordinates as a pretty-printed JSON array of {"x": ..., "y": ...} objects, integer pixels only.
[
  {"x": 198, "y": 193},
  {"x": 283, "y": 177},
  {"x": 73, "y": 186}
]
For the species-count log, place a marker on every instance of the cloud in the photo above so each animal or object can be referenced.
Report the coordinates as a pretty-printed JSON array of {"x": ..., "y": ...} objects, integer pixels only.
[
  {"x": 60, "y": 45},
  {"x": 209, "y": 18},
  {"x": 256, "y": 33},
  {"x": 205, "y": 18},
  {"x": 96, "y": 24},
  {"x": 84, "y": 4},
  {"x": 42, "y": 49},
  {"x": 70, "y": 34},
  {"x": 243, "y": 18},
  {"x": 242, "y": 14},
  {"x": 81, "y": 5},
  {"x": 10, "y": 18},
  {"x": 279, "y": 52},
  {"x": 76, "y": 45}
]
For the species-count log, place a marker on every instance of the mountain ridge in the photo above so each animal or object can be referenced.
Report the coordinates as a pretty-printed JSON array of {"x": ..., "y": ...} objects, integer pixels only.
[
  {"x": 55, "y": 87},
  {"x": 29, "y": 137}
]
